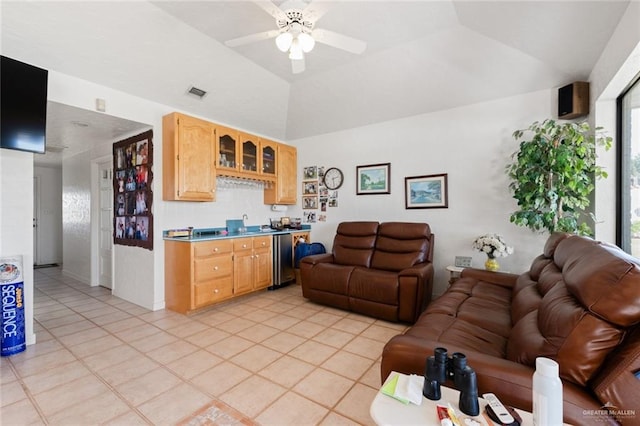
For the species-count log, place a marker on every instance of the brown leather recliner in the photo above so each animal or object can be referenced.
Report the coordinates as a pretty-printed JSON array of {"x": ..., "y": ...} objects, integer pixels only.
[
  {"x": 381, "y": 270},
  {"x": 579, "y": 304}
]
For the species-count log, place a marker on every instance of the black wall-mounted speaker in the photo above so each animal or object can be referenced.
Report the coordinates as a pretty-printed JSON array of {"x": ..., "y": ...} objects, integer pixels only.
[{"x": 573, "y": 100}]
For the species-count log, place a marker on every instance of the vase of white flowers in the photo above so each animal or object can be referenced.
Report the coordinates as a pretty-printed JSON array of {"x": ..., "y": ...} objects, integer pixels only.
[{"x": 493, "y": 245}]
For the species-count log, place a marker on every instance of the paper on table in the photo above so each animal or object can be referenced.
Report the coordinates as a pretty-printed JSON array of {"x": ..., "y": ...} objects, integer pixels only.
[{"x": 405, "y": 388}]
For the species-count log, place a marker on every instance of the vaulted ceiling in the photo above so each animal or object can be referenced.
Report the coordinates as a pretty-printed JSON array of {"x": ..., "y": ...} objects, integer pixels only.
[{"x": 421, "y": 56}]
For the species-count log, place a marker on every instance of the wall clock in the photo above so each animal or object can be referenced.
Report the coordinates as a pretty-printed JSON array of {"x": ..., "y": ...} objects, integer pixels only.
[{"x": 333, "y": 178}]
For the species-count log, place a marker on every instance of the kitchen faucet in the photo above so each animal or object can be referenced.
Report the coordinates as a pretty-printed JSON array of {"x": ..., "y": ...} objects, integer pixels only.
[{"x": 244, "y": 217}]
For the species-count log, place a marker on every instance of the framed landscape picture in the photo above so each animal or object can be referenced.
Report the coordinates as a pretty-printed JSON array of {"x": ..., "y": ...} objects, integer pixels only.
[
  {"x": 426, "y": 192},
  {"x": 373, "y": 179}
]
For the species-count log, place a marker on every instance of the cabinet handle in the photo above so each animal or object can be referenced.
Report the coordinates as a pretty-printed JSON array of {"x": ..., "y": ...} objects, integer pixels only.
[
  {"x": 215, "y": 249},
  {"x": 244, "y": 246},
  {"x": 257, "y": 256},
  {"x": 216, "y": 291},
  {"x": 215, "y": 268}
]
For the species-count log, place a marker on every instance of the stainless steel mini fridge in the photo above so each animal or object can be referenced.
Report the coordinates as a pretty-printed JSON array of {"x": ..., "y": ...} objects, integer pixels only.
[{"x": 283, "y": 271}]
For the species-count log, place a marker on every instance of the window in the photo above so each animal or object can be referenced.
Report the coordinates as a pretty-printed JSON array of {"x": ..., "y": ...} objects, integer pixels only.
[{"x": 629, "y": 169}]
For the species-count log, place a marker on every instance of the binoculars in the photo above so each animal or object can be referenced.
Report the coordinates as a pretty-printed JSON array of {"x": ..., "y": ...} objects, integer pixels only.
[{"x": 441, "y": 367}]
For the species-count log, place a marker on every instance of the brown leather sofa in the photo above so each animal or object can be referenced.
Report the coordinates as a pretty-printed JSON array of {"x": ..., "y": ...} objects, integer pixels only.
[
  {"x": 383, "y": 270},
  {"x": 579, "y": 304}
]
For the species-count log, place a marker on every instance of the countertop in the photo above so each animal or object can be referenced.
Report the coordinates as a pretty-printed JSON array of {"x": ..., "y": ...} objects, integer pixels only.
[{"x": 208, "y": 234}]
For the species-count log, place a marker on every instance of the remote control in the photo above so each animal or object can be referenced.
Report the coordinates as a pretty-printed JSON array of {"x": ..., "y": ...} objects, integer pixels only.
[{"x": 499, "y": 409}]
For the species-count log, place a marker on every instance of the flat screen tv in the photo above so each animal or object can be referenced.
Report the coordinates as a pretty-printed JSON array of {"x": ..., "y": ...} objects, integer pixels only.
[{"x": 23, "y": 106}]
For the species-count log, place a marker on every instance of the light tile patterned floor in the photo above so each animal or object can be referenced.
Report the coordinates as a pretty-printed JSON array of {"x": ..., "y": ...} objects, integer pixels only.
[{"x": 273, "y": 356}]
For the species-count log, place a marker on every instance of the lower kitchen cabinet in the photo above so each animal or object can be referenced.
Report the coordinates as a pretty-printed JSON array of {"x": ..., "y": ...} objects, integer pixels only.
[
  {"x": 252, "y": 264},
  {"x": 199, "y": 274}
]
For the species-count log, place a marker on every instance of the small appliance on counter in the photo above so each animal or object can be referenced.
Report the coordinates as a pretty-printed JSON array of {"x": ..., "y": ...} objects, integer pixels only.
[{"x": 286, "y": 222}]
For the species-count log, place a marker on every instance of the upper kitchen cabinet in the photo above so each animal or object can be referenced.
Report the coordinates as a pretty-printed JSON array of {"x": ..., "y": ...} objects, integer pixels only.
[
  {"x": 188, "y": 159},
  {"x": 268, "y": 150},
  {"x": 285, "y": 189},
  {"x": 249, "y": 154},
  {"x": 227, "y": 148}
]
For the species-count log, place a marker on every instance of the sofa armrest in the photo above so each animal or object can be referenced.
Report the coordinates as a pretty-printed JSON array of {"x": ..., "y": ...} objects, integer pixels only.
[
  {"x": 503, "y": 279},
  {"x": 415, "y": 287},
  {"x": 424, "y": 271},
  {"x": 314, "y": 259}
]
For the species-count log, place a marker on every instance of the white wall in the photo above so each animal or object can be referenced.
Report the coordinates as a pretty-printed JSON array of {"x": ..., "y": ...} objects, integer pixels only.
[
  {"x": 16, "y": 228},
  {"x": 49, "y": 248},
  {"x": 76, "y": 217},
  {"x": 471, "y": 144},
  {"x": 618, "y": 65}
]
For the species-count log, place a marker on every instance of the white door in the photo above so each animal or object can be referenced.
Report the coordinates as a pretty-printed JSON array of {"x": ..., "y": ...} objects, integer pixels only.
[{"x": 105, "y": 237}]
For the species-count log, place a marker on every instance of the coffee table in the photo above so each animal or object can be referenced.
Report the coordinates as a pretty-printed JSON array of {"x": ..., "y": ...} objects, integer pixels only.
[{"x": 388, "y": 411}]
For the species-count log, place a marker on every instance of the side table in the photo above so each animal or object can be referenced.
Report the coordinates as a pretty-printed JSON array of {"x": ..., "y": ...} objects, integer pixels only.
[
  {"x": 385, "y": 410},
  {"x": 454, "y": 273}
]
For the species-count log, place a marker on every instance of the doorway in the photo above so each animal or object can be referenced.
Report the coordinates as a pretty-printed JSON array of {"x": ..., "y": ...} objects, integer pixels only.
[
  {"x": 47, "y": 216},
  {"x": 105, "y": 220}
]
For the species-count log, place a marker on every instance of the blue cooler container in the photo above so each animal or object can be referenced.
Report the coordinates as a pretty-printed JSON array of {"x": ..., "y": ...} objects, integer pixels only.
[{"x": 12, "y": 304}]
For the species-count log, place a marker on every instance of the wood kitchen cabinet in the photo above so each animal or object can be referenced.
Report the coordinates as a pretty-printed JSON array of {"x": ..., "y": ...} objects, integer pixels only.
[
  {"x": 285, "y": 189},
  {"x": 268, "y": 156},
  {"x": 227, "y": 148},
  {"x": 188, "y": 160},
  {"x": 252, "y": 264},
  {"x": 197, "y": 274},
  {"x": 249, "y": 154},
  {"x": 196, "y": 151}
]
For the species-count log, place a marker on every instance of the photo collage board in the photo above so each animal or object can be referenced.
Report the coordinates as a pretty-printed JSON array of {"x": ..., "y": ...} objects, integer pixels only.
[
  {"x": 316, "y": 197},
  {"x": 132, "y": 178}
]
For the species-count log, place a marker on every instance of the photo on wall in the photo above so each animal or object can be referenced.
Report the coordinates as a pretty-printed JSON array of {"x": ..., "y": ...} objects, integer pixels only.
[
  {"x": 132, "y": 195},
  {"x": 426, "y": 192}
]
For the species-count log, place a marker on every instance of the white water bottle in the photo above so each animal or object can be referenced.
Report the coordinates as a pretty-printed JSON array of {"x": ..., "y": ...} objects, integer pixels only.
[{"x": 547, "y": 393}]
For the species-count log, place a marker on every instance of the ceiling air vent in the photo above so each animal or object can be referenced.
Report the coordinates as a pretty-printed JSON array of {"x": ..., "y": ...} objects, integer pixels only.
[{"x": 196, "y": 92}]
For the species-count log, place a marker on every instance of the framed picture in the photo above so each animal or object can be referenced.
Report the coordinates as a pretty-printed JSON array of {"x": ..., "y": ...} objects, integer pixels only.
[
  {"x": 309, "y": 203},
  {"x": 426, "y": 192},
  {"x": 310, "y": 187},
  {"x": 310, "y": 172},
  {"x": 133, "y": 221},
  {"x": 373, "y": 179}
]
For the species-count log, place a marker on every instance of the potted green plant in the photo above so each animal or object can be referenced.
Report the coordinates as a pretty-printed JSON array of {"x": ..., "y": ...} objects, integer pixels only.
[{"x": 553, "y": 174}]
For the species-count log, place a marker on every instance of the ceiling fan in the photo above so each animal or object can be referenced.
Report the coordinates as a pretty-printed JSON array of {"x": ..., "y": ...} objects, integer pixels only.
[{"x": 296, "y": 31}]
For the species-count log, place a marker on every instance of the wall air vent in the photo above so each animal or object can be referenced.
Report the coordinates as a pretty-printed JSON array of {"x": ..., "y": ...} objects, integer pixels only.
[{"x": 196, "y": 92}]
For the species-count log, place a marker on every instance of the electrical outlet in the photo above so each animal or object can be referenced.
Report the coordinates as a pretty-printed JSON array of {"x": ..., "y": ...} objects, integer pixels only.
[{"x": 463, "y": 261}]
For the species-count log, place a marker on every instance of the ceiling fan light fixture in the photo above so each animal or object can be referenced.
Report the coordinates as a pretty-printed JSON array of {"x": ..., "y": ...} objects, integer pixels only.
[
  {"x": 283, "y": 41},
  {"x": 295, "y": 52},
  {"x": 306, "y": 42}
]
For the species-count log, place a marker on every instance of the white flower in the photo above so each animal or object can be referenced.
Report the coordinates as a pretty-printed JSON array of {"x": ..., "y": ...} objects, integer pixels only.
[{"x": 493, "y": 245}]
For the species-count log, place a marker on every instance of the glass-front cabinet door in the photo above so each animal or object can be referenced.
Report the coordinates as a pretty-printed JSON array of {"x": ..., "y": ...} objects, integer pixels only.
[
  {"x": 227, "y": 141},
  {"x": 249, "y": 154},
  {"x": 268, "y": 150}
]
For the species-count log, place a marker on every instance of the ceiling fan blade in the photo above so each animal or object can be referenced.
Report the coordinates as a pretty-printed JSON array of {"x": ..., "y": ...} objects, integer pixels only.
[
  {"x": 265, "y": 35},
  {"x": 271, "y": 9},
  {"x": 297, "y": 65},
  {"x": 315, "y": 10},
  {"x": 339, "y": 41}
]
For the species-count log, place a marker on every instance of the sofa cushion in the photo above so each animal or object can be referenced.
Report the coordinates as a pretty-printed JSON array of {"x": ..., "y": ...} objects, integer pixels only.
[
  {"x": 374, "y": 285},
  {"x": 354, "y": 242},
  {"x": 449, "y": 330},
  {"x": 401, "y": 245},
  {"x": 469, "y": 300},
  {"x": 574, "y": 321},
  {"x": 330, "y": 278}
]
